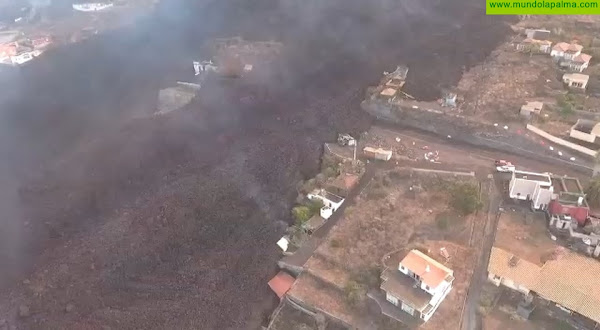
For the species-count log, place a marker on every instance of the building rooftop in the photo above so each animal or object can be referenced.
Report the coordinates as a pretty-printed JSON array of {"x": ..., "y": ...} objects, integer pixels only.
[
  {"x": 570, "y": 280},
  {"x": 431, "y": 272},
  {"x": 281, "y": 283},
  {"x": 565, "y": 47},
  {"x": 507, "y": 265},
  {"x": 403, "y": 286},
  {"x": 585, "y": 125},
  {"x": 327, "y": 195},
  {"x": 388, "y": 92},
  {"x": 577, "y": 77},
  {"x": 532, "y": 176},
  {"x": 377, "y": 150},
  {"x": 583, "y": 58}
]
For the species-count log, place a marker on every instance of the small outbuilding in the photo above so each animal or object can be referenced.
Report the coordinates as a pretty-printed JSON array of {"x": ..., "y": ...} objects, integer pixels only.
[
  {"x": 585, "y": 130},
  {"x": 281, "y": 283},
  {"x": 576, "y": 80},
  {"x": 530, "y": 108}
]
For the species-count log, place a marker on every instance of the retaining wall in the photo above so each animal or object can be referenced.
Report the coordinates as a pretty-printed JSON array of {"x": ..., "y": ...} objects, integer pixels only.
[
  {"x": 463, "y": 130},
  {"x": 562, "y": 142}
]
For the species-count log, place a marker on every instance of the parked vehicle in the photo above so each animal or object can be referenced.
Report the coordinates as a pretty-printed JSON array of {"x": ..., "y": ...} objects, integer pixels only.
[{"x": 504, "y": 166}]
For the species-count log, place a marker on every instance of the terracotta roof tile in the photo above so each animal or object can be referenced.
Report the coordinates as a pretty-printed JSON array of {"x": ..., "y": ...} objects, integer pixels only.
[
  {"x": 521, "y": 271},
  {"x": 431, "y": 272},
  {"x": 281, "y": 283},
  {"x": 584, "y": 58},
  {"x": 564, "y": 47},
  {"x": 571, "y": 281}
]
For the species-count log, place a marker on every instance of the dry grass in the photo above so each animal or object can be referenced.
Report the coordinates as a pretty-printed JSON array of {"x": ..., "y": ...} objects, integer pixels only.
[
  {"x": 524, "y": 235},
  {"x": 495, "y": 90},
  {"x": 392, "y": 219}
]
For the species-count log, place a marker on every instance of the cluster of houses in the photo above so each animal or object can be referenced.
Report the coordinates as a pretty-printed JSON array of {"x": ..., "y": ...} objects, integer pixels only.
[
  {"x": 569, "y": 56},
  {"x": 391, "y": 89},
  {"x": 556, "y": 279},
  {"x": 17, "y": 49},
  {"x": 567, "y": 210}
]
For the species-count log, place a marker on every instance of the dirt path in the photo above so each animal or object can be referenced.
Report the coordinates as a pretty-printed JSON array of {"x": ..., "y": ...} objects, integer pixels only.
[{"x": 470, "y": 318}]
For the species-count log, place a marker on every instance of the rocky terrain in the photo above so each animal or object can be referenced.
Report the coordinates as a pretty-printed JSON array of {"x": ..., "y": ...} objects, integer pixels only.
[{"x": 117, "y": 219}]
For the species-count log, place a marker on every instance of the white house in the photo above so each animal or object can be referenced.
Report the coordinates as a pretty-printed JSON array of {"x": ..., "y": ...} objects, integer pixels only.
[
  {"x": 418, "y": 286},
  {"x": 534, "y": 46},
  {"x": 25, "y": 57},
  {"x": 576, "y": 80},
  {"x": 530, "y": 186},
  {"x": 585, "y": 130},
  {"x": 331, "y": 202},
  {"x": 537, "y": 33},
  {"x": 531, "y": 107},
  {"x": 565, "y": 51},
  {"x": 378, "y": 153},
  {"x": 512, "y": 272},
  {"x": 578, "y": 63}
]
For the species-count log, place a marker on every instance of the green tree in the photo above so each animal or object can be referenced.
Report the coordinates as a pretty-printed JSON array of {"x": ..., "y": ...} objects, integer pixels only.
[
  {"x": 352, "y": 291},
  {"x": 301, "y": 214},
  {"x": 593, "y": 192},
  {"x": 314, "y": 206},
  {"x": 465, "y": 198}
]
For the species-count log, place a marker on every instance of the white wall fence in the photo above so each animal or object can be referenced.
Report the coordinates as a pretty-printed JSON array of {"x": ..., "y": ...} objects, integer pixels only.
[{"x": 562, "y": 142}]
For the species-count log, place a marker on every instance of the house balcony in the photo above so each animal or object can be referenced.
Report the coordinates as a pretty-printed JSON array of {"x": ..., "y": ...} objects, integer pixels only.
[{"x": 390, "y": 310}]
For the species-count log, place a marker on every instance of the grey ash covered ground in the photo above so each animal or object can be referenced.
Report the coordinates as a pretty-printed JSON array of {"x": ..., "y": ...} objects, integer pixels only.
[{"x": 170, "y": 223}]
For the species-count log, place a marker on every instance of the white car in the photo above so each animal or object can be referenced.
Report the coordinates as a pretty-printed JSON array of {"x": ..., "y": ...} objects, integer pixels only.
[{"x": 505, "y": 168}]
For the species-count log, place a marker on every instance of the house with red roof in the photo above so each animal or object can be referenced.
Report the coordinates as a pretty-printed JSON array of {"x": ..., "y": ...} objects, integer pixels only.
[
  {"x": 418, "y": 286},
  {"x": 578, "y": 63},
  {"x": 281, "y": 283},
  {"x": 565, "y": 51},
  {"x": 568, "y": 204},
  {"x": 570, "y": 56}
]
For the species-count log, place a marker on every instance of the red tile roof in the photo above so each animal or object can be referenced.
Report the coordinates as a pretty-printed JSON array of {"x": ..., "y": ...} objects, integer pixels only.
[
  {"x": 584, "y": 58},
  {"x": 564, "y": 47},
  {"x": 431, "y": 272},
  {"x": 579, "y": 213},
  {"x": 281, "y": 283},
  {"x": 9, "y": 49}
]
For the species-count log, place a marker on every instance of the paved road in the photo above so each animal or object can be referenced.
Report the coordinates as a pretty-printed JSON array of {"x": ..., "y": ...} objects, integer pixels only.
[
  {"x": 470, "y": 317},
  {"x": 557, "y": 166}
]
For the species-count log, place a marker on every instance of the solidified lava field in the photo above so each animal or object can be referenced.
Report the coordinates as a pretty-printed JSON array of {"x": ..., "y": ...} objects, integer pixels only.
[{"x": 141, "y": 222}]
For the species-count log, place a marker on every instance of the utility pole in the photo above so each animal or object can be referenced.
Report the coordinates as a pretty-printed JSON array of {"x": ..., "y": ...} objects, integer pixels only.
[{"x": 355, "y": 143}]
